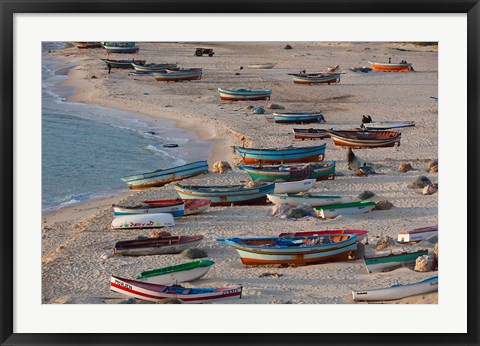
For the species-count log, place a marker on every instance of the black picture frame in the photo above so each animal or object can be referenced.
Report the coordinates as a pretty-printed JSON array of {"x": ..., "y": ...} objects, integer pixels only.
[{"x": 9, "y": 8}]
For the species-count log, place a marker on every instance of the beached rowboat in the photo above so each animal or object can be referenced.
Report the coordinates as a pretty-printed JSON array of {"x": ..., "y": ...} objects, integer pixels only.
[
  {"x": 176, "y": 208},
  {"x": 175, "y": 274},
  {"x": 162, "y": 245},
  {"x": 191, "y": 206},
  {"x": 391, "y": 261},
  {"x": 117, "y": 44},
  {"x": 294, "y": 186},
  {"x": 178, "y": 75},
  {"x": 244, "y": 94},
  {"x": 387, "y": 125},
  {"x": 310, "y": 134},
  {"x": 127, "y": 64},
  {"x": 294, "y": 200},
  {"x": 294, "y": 250},
  {"x": 227, "y": 195},
  {"x": 316, "y": 78},
  {"x": 161, "y": 177},
  {"x": 313, "y": 170},
  {"x": 282, "y": 155},
  {"x": 121, "y": 49},
  {"x": 140, "y": 74},
  {"x": 362, "y": 139},
  {"x": 298, "y": 117},
  {"x": 152, "y": 292},
  {"x": 416, "y": 235},
  {"x": 391, "y": 67},
  {"x": 398, "y": 291},
  {"x": 331, "y": 211},
  {"x": 153, "y": 67},
  {"x": 87, "y": 45},
  {"x": 143, "y": 221},
  {"x": 267, "y": 65},
  {"x": 361, "y": 234}
]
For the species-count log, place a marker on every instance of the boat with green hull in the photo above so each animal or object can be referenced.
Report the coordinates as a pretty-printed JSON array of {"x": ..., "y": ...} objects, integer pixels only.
[
  {"x": 391, "y": 261},
  {"x": 178, "y": 273},
  {"x": 333, "y": 210}
]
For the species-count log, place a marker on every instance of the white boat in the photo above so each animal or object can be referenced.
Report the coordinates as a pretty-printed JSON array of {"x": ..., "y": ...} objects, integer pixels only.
[
  {"x": 416, "y": 235},
  {"x": 398, "y": 291},
  {"x": 264, "y": 66},
  {"x": 334, "y": 210},
  {"x": 175, "y": 274},
  {"x": 294, "y": 186},
  {"x": 294, "y": 200},
  {"x": 143, "y": 221},
  {"x": 385, "y": 125}
]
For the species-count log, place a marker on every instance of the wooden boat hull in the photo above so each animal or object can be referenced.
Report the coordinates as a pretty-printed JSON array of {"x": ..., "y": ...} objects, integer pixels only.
[
  {"x": 175, "y": 76},
  {"x": 155, "y": 293},
  {"x": 175, "y": 274},
  {"x": 397, "y": 292},
  {"x": 294, "y": 186},
  {"x": 297, "y": 117},
  {"x": 310, "y": 134},
  {"x": 361, "y": 234},
  {"x": 318, "y": 171},
  {"x": 294, "y": 200},
  {"x": 87, "y": 45},
  {"x": 143, "y": 221},
  {"x": 226, "y": 195},
  {"x": 140, "y": 74},
  {"x": 244, "y": 94},
  {"x": 156, "y": 246},
  {"x": 153, "y": 67},
  {"x": 272, "y": 156},
  {"x": 121, "y": 50},
  {"x": 385, "y": 263},
  {"x": 126, "y": 64},
  {"x": 332, "y": 211},
  {"x": 317, "y": 79},
  {"x": 176, "y": 209},
  {"x": 390, "y": 67},
  {"x": 365, "y": 140},
  {"x": 386, "y": 125},
  {"x": 417, "y": 235},
  {"x": 164, "y": 176}
]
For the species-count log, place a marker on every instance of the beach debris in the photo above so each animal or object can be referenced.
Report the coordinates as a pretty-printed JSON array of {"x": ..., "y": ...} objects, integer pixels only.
[
  {"x": 383, "y": 205},
  {"x": 432, "y": 166},
  {"x": 248, "y": 108},
  {"x": 258, "y": 110},
  {"x": 384, "y": 242},
  {"x": 146, "y": 94},
  {"x": 69, "y": 299},
  {"x": 236, "y": 161},
  {"x": 128, "y": 301},
  {"x": 270, "y": 274},
  {"x": 420, "y": 182},
  {"x": 287, "y": 46},
  {"x": 333, "y": 68},
  {"x": 159, "y": 234},
  {"x": 355, "y": 162},
  {"x": 106, "y": 255},
  {"x": 435, "y": 257},
  {"x": 170, "y": 145},
  {"x": 279, "y": 210},
  {"x": 237, "y": 74},
  {"x": 93, "y": 77},
  {"x": 365, "y": 195},
  {"x": 194, "y": 253},
  {"x": 424, "y": 263},
  {"x": 405, "y": 167},
  {"x": 221, "y": 167},
  {"x": 435, "y": 250},
  {"x": 241, "y": 67},
  {"x": 366, "y": 48},
  {"x": 297, "y": 213},
  {"x": 430, "y": 189},
  {"x": 364, "y": 171},
  {"x": 361, "y": 69},
  {"x": 169, "y": 301},
  {"x": 168, "y": 106},
  {"x": 142, "y": 237},
  {"x": 274, "y": 106},
  {"x": 252, "y": 184}
]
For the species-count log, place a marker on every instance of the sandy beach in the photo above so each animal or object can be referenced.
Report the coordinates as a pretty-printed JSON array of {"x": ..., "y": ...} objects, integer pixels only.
[{"x": 75, "y": 238}]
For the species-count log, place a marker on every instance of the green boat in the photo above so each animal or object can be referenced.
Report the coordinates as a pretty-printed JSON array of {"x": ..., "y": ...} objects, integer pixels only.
[
  {"x": 333, "y": 210},
  {"x": 122, "y": 63},
  {"x": 179, "y": 273},
  {"x": 391, "y": 261}
]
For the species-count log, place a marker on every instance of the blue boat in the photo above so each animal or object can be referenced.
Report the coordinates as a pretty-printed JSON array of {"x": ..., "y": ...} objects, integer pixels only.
[
  {"x": 298, "y": 117},
  {"x": 121, "y": 48},
  {"x": 140, "y": 74},
  {"x": 282, "y": 155},
  {"x": 227, "y": 195},
  {"x": 118, "y": 44},
  {"x": 161, "y": 177},
  {"x": 318, "y": 171},
  {"x": 244, "y": 94}
]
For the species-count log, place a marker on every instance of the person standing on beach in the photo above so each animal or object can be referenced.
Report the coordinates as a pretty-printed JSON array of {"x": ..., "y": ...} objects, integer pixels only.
[
  {"x": 389, "y": 60},
  {"x": 109, "y": 68}
]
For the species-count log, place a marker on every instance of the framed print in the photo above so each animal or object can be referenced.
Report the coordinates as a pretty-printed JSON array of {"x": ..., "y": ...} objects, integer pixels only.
[{"x": 306, "y": 173}]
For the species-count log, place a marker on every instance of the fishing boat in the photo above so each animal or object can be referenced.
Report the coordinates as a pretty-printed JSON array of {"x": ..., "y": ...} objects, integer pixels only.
[
  {"x": 127, "y": 64},
  {"x": 331, "y": 211},
  {"x": 175, "y": 274},
  {"x": 316, "y": 78},
  {"x": 312, "y": 170},
  {"x": 118, "y": 44},
  {"x": 310, "y": 134},
  {"x": 155, "y": 293},
  {"x": 391, "y": 261},
  {"x": 298, "y": 117},
  {"x": 294, "y": 250},
  {"x": 364, "y": 139},
  {"x": 244, "y": 94},
  {"x": 294, "y": 200},
  {"x": 178, "y": 75},
  {"x": 161, "y": 177},
  {"x": 87, "y": 45},
  {"x": 175, "y": 207},
  {"x": 282, "y": 155},
  {"x": 361, "y": 234},
  {"x": 398, "y": 291},
  {"x": 294, "y": 186},
  {"x": 121, "y": 49},
  {"x": 387, "y": 125},
  {"x": 416, "y": 235},
  {"x": 191, "y": 206},
  {"x": 267, "y": 65},
  {"x": 153, "y": 67},
  {"x": 227, "y": 195},
  {"x": 391, "y": 67},
  {"x": 162, "y": 245},
  {"x": 140, "y": 74},
  {"x": 143, "y": 221}
]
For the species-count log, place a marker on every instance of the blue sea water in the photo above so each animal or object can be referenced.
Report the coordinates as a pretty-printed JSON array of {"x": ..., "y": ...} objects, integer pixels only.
[{"x": 86, "y": 149}]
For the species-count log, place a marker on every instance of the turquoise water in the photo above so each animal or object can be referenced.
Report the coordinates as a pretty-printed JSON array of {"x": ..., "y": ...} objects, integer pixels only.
[{"x": 86, "y": 149}]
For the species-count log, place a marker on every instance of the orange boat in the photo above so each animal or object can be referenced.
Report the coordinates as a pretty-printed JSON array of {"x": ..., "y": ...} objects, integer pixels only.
[{"x": 391, "y": 67}]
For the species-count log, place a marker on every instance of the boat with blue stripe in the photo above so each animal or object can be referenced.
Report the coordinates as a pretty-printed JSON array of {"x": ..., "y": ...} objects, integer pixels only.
[
  {"x": 281, "y": 155},
  {"x": 244, "y": 94},
  {"x": 313, "y": 170},
  {"x": 298, "y": 117}
]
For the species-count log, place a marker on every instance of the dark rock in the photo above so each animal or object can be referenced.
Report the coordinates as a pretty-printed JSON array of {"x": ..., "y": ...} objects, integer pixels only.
[
  {"x": 288, "y": 47},
  {"x": 383, "y": 205},
  {"x": 274, "y": 106},
  {"x": 366, "y": 195},
  {"x": 94, "y": 77},
  {"x": 194, "y": 253},
  {"x": 420, "y": 182},
  {"x": 258, "y": 110},
  {"x": 237, "y": 74},
  {"x": 297, "y": 213}
]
